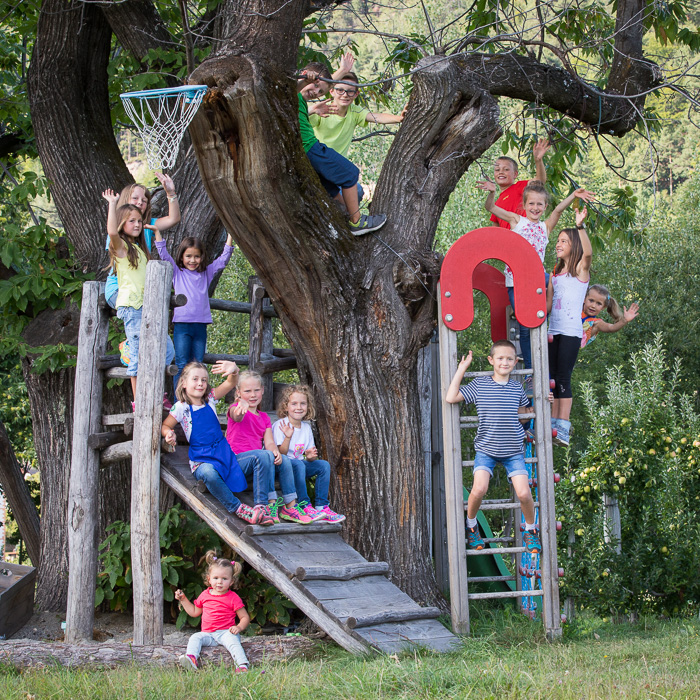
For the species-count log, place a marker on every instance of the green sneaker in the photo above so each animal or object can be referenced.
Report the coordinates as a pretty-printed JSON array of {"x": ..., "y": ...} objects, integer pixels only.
[{"x": 274, "y": 508}]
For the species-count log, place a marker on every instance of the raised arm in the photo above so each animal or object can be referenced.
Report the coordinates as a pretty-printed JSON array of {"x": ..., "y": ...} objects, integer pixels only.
[
  {"x": 112, "y": 223},
  {"x": 173, "y": 217},
  {"x": 453, "y": 394},
  {"x": 490, "y": 206},
  {"x": 346, "y": 64},
  {"x": 386, "y": 117},
  {"x": 584, "y": 267},
  {"x": 230, "y": 371},
  {"x": 538, "y": 151},
  {"x": 628, "y": 315},
  {"x": 553, "y": 218}
]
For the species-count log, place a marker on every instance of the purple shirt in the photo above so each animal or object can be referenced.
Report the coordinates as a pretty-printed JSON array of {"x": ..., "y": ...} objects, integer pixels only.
[{"x": 194, "y": 285}]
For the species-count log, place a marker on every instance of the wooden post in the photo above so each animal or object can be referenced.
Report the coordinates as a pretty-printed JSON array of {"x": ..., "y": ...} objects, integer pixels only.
[
  {"x": 423, "y": 372},
  {"x": 145, "y": 462},
  {"x": 84, "y": 471},
  {"x": 454, "y": 494},
  {"x": 260, "y": 337},
  {"x": 551, "y": 614},
  {"x": 612, "y": 526}
]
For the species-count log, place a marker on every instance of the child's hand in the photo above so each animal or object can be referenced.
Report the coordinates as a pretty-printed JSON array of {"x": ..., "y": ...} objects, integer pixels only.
[
  {"x": 550, "y": 397},
  {"x": 167, "y": 182},
  {"x": 240, "y": 409},
  {"x": 581, "y": 216},
  {"x": 347, "y": 62},
  {"x": 311, "y": 454},
  {"x": 540, "y": 148},
  {"x": 235, "y": 630},
  {"x": 278, "y": 457},
  {"x": 179, "y": 595},
  {"x": 171, "y": 438},
  {"x": 322, "y": 108},
  {"x": 486, "y": 185},
  {"x": 224, "y": 367},
  {"x": 110, "y": 196},
  {"x": 286, "y": 428},
  {"x": 584, "y": 194},
  {"x": 631, "y": 313},
  {"x": 465, "y": 362},
  {"x": 402, "y": 114},
  {"x": 309, "y": 76}
]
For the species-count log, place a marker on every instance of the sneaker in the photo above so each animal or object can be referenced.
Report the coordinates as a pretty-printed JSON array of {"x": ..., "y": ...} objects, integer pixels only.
[
  {"x": 367, "y": 223},
  {"x": 562, "y": 436},
  {"x": 331, "y": 516},
  {"x": 311, "y": 511},
  {"x": 295, "y": 515},
  {"x": 250, "y": 515},
  {"x": 189, "y": 662},
  {"x": 273, "y": 510},
  {"x": 263, "y": 515},
  {"x": 133, "y": 406},
  {"x": 474, "y": 539},
  {"x": 124, "y": 354},
  {"x": 528, "y": 386},
  {"x": 166, "y": 402},
  {"x": 241, "y": 669},
  {"x": 531, "y": 540}
]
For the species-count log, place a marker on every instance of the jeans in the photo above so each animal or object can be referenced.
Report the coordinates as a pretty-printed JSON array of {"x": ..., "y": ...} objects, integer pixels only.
[
  {"x": 251, "y": 466},
  {"x": 304, "y": 470},
  {"x": 132, "y": 328},
  {"x": 220, "y": 637},
  {"x": 190, "y": 343},
  {"x": 514, "y": 464}
]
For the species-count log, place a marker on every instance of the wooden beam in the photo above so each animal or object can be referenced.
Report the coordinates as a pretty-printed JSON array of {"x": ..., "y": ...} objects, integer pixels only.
[
  {"x": 260, "y": 337},
  {"x": 341, "y": 573},
  {"x": 98, "y": 441},
  {"x": 240, "y": 307},
  {"x": 118, "y": 452},
  {"x": 85, "y": 463},
  {"x": 392, "y": 616},
  {"x": 279, "y": 364}
]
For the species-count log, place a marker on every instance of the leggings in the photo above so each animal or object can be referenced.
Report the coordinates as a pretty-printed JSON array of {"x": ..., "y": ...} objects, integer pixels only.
[{"x": 563, "y": 351}]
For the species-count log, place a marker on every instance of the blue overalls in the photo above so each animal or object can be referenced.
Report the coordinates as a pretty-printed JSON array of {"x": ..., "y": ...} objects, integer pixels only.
[{"x": 208, "y": 444}]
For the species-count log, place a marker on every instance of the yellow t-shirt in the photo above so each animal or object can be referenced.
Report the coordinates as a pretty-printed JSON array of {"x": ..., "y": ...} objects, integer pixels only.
[
  {"x": 131, "y": 281},
  {"x": 336, "y": 132}
]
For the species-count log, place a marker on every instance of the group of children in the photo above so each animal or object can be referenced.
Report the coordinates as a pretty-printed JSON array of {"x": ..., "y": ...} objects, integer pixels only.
[{"x": 573, "y": 307}]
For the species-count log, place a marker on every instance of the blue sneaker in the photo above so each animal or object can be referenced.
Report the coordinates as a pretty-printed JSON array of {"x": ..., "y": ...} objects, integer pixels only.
[
  {"x": 531, "y": 540},
  {"x": 563, "y": 428},
  {"x": 474, "y": 539}
]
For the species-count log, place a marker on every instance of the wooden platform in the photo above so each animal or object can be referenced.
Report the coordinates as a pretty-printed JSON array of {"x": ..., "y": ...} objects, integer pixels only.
[{"x": 344, "y": 594}]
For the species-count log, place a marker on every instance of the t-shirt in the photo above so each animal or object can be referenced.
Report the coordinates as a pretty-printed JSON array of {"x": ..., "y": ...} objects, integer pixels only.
[
  {"x": 301, "y": 440},
  {"x": 535, "y": 233},
  {"x": 132, "y": 280},
  {"x": 500, "y": 433},
  {"x": 511, "y": 199},
  {"x": 336, "y": 131},
  {"x": 247, "y": 434},
  {"x": 111, "y": 283},
  {"x": 587, "y": 325},
  {"x": 308, "y": 138},
  {"x": 182, "y": 413},
  {"x": 218, "y": 611}
]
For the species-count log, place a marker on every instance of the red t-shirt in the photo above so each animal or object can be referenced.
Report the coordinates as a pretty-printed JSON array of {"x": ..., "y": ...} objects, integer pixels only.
[
  {"x": 511, "y": 199},
  {"x": 218, "y": 611}
]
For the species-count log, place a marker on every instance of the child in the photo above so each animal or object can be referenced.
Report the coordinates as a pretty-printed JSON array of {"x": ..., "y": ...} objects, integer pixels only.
[
  {"x": 532, "y": 229},
  {"x": 598, "y": 298},
  {"x": 140, "y": 196},
  {"x": 565, "y": 295},
  {"x": 192, "y": 277},
  {"x": 505, "y": 171},
  {"x": 248, "y": 429},
  {"x": 338, "y": 175},
  {"x": 218, "y": 606},
  {"x": 499, "y": 437},
  {"x": 211, "y": 458},
  {"x": 129, "y": 256},
  {"x": 294, "y": 437}
]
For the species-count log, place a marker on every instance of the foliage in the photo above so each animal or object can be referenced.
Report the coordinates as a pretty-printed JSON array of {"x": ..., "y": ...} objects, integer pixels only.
[
  {"x": 644, "y": 450},
  {"x": 184, "y": 539}
]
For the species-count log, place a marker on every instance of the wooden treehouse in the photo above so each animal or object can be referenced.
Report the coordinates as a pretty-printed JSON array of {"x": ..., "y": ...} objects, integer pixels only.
[
  {"x": 349, "y": 597},
  {"x": 535, "y": 576}
]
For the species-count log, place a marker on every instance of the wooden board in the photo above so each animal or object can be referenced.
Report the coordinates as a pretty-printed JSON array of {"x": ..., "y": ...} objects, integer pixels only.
[{"x": 400, "y": 636}]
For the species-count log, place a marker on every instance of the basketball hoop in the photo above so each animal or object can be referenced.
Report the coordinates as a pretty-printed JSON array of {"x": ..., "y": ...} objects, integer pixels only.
[{"x": 161, "y": 117}]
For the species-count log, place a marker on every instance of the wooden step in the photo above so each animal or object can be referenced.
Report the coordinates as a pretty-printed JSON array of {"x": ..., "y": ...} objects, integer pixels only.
[
  {"x": 490, "y": 579},
  {"x": 494, "y": 550},
  {"x": 473, "y": 421},
  {"x": 341, "y": 573},
  {"x": 489, "y": 373},
  {"x": 504, "y": 504},
  {"x": 504, "y": 594}
]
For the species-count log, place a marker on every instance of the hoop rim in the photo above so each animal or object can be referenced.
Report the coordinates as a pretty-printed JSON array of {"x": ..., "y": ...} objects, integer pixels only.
[{"x": 185, "y": 89}]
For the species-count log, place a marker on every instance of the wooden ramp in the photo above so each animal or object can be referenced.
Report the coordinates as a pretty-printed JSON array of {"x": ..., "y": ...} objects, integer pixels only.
[{"x": 347, "y": 596}]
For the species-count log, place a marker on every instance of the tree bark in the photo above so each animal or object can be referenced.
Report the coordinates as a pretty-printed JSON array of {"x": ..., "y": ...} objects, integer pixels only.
[{"x": 18, "y": 498}]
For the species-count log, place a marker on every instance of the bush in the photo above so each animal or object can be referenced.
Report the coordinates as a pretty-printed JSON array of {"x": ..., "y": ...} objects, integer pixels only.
[{"x": 644, "y": 450}]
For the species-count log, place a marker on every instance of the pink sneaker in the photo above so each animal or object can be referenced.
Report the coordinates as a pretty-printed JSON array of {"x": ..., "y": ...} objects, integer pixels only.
[
  {"x": 250, "y": 515},
  {"x": 311, "y": 511},
  {"x": 189, "y": 662},
  {"x": 241, "y": 669},
  {"x": 295, "y": 515},
  {"x": 263, "y": 515},
  {"x": 166, "y": 402},
  {"x": 330, "y": 515}
]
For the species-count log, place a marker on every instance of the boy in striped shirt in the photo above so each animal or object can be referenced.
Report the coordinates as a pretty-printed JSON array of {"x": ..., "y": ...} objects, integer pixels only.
[{"x": 499, "y": 438}]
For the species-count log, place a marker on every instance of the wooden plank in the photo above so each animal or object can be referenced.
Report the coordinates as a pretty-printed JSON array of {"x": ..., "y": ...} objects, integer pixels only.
[
  {"x": 313, "y": 542},
  {"x": 98, "y": 441},
  {"x": 505, "y": 594},
  {"x": 392, "y": 615},
  {"x": 260, "y": 336},
  {"x": 85, "y": 466},
  {"x": 322, "y": 526},
  {"x": 367, "y": 586},
  {"x": 115, "y": 453},
  {"x": 401, "y": 636},
  {"x": 341, "y": 573},
  {"x": 116, "y": 418},
  {"x": 452, "y": 454},
  {"x": 145, "y": 462},
  {"x": 240, "y": 307}
]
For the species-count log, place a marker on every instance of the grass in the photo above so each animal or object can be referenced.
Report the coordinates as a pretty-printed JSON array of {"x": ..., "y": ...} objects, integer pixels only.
[{"x": 506, "y": 658}]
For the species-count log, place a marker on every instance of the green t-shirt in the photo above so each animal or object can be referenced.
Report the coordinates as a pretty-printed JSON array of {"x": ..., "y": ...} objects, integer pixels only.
[
  {"x": 335, "y": 131},
  {"x": 308, "y": 138}
]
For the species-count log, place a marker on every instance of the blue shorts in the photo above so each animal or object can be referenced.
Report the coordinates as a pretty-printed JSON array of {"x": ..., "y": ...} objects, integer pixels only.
[
  {"x": 336, "y": 171},
  {"x": 514, "y": 464}
]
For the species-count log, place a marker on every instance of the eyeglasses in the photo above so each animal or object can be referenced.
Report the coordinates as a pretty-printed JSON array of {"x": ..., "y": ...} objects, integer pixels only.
[{"x": 342, "y": 91}]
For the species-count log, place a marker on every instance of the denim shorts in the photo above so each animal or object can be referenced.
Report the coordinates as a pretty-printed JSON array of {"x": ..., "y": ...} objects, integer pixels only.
[{"x": 514, "y": 464}]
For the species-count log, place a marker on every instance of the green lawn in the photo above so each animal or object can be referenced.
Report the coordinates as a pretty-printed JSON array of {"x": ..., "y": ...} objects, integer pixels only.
[{"x": 507, "y": 658}]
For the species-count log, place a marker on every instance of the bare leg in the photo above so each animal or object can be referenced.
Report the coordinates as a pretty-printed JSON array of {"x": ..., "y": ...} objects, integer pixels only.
[
  {"x": 522, "y": 491},
  {"x": 478, "y": 491},
  {"x": 133, "y": 387},
  {"x": 352, "y": 203},
  {"x": 564, "y": 408}
]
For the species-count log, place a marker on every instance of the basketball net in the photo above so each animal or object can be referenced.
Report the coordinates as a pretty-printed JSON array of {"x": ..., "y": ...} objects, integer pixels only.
[{"x": 161, "y": 117}]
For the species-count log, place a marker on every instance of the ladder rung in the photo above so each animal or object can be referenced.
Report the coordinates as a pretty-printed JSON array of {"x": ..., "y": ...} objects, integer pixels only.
[
  {"x": 488, "y": 540},
  {"x": 501, "y": 505},
  {"x": 489, "y": 373},
  {"x": 504, "y": 594},
  {"x": 469, "y": 421},
  {"x": 489, "y": 579},
  {"x": 494, "y": 550},
  {"x": 528, "y": 460}
]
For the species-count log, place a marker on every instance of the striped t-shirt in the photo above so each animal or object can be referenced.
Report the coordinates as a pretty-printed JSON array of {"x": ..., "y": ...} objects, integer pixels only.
[{"x": 500, "y": 433}]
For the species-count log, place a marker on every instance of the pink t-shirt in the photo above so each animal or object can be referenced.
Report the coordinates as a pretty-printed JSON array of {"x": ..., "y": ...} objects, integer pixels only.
[
  {"x": 248, "y": 434},
  {"x": 218, "y": 611}
]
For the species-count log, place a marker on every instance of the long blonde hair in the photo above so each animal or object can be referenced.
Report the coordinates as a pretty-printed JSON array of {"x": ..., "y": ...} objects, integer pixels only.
[
  {"x": 132, "y": 244},
  {"x": 180, "y": 393}
]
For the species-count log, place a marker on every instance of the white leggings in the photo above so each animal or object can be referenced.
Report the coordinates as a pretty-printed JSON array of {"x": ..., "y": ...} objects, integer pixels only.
[{"x": 220, "y": 637}]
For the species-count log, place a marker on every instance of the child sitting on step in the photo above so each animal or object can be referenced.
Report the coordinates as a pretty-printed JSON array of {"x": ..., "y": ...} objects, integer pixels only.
[
  {"x": 219, "y": 606},
  {"x": 249, "y": 430},
  {"x": 295, "y": 439},
  {"x": 499, "y": 438},
  {"x": 211, "y": 458}
]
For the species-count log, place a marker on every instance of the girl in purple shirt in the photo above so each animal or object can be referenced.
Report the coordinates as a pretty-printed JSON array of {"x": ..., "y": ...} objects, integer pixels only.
[{"x": 192, "y": 277}]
